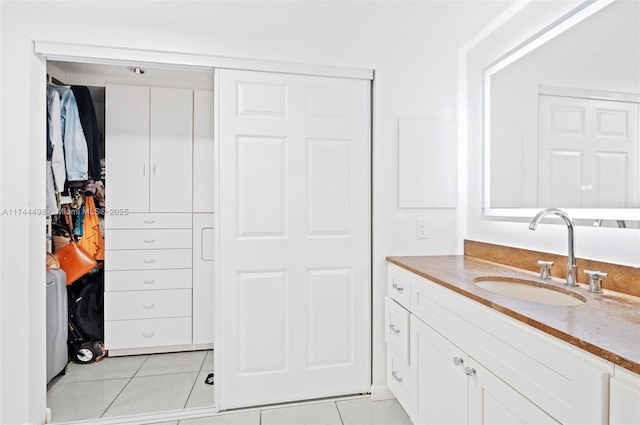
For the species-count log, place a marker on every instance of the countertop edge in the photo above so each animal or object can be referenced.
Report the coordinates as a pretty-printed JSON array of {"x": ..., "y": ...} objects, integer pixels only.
[{"x": 596, "y": 350}]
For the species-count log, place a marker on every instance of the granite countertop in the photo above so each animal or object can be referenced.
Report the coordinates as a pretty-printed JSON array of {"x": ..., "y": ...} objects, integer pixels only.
[{"x": 607, "y": 325}]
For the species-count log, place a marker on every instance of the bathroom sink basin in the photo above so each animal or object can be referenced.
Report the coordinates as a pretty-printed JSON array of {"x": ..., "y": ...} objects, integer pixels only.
[{"x": 530, "y": 290}]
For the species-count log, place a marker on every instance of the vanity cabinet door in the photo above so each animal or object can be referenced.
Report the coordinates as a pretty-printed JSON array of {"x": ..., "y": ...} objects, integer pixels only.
[
  {"x": 492, "y": 401},
  {"x": 624, "y": 407},
  {"x": 438, "y": 380}
]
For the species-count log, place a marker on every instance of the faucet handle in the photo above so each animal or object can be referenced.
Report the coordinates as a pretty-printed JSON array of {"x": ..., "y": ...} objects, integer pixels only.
[
  {"x": 595, "y": 286},
  {"x": 544, "y": 269}
]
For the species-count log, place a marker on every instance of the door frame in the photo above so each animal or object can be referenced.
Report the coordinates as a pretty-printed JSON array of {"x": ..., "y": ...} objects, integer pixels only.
[{"x": 44, "y": 51}]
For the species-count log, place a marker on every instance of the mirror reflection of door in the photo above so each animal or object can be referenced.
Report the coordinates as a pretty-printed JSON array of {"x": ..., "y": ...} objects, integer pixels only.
[{"x": 587, "y": 153}]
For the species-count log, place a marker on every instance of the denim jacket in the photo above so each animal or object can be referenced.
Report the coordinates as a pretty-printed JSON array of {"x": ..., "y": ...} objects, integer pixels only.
[{"x": 75, "y": 144}]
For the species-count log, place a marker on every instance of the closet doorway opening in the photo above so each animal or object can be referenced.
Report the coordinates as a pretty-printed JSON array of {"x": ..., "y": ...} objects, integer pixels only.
[{"x": 150, "y": 177}]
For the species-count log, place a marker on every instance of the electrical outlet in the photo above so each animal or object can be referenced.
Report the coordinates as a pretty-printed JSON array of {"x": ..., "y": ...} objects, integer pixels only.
[{"x": 422, "y": 230}]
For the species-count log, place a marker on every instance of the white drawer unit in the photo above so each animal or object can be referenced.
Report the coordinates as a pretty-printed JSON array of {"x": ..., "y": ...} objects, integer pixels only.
[
  {"x": 147, "y": 259},
  {"x": 148, "y": 239},
  {"x": 149, "y": 221},
  {"x": 128, "y": 334},
  {"x": 396, "y": 329},
  {"x": 139, "y": 280},
  {"x": 399, "y": 378},
  {"x": 398, "y": 285},
  {"x": 147, "y": 304}
]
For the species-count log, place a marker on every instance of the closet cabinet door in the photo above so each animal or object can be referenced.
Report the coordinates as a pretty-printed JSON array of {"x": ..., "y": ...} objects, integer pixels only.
[
  {"x": 127, "y": 147},
  {"x": 203, "y": 151},
  {"x": 171, "y": 149}
]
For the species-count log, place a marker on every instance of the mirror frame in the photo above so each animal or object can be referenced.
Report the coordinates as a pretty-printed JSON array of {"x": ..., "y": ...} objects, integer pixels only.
[{"x": 556, "y": 28}]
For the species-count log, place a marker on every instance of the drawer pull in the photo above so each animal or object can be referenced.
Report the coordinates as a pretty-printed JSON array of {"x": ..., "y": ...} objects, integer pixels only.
[
  {"x": 151, "y": 261},
  {"x": 148, "y": 306},
  {"x": 150, "y": 240},
  {"x": 469, "y": 371},
  {"x": 148, "y": 282},
  {"x": 149, "y": 221},
  {"x": 148, "y": 334},
  {"x": 397, "y": 288},
  {"x": 393, "y": 329},
  {"x": 395, "y": 376},
  {"x": 458, "y": 361}
]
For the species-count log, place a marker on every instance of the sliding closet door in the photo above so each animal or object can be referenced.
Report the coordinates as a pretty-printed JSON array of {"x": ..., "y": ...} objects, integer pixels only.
[{"x": 295, "y": 237}]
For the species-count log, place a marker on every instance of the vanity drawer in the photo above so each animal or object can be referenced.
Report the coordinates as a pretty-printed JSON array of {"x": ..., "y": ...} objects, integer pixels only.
[
  {"x": 147, "y": 259},
  {"x": 123, "y": 334},
  {"x": 399, "y": 379},
  {"x": 142, "y": 280},
  {"x": 396, "y": 329},
  {"x": 147, "y": 304},
  {"x": 399, "y": 285},
  {"x": 149, "y": 221},
  {"x": 148, "y": 238}
]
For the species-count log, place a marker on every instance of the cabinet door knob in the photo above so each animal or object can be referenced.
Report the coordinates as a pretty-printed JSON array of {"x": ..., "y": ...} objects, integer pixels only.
[
  {"x": 148, "y": 306},
  {"x": 151, "y": 261},
  {"x": 149, "y": 221},
  {"x": 394, "y": 330},
  {"x": 469, "y": 371},
  {"x": 397, "y": 288},
  {"x": 458, "y": 361},
  {"x": 395, "y": 376},
  {"x": 152, "y": 240},
  {"x": 148, "y": 282},
  {"x": 148, "y": 334}
]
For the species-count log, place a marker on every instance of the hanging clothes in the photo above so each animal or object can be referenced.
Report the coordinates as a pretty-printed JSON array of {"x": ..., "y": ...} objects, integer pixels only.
[
  {"x": 54, "y": 139},
  {"x": 92, "y": 240},
  {"x": 74, "y": 142},
  {"x": 92, "y": 135}
]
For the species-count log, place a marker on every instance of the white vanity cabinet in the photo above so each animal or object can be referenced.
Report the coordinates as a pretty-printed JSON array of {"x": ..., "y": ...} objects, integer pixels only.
[
  {"x": 624, "y": 395},
  {"x": 471, "y": 364}
]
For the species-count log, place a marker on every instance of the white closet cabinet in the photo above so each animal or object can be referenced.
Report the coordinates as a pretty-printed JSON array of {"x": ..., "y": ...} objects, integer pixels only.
[
  {"x": 159, "y": 256},
  {"x": 149, "y": 148}
]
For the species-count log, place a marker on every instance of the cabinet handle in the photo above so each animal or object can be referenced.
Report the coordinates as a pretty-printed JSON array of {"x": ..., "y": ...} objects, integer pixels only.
[
  {"x": 149, "y": 221},
  {"x": 395, "y": 376},
  {"x": 153, "y": 260},
  {"x": 144, "y": 169},
  {"x": 152, "y": 240},
  {"x": 148, "y": 306},
  {"x": 397, "y": 288},
  {"x": 469, "y": 371},
  {"x": 394, "y": 330},
  {"x": 148, "y": 334},
  {"x": 154, "y": 169},
  {"x": 458, "y": 361},
  {"x": 148, "y": 282}
]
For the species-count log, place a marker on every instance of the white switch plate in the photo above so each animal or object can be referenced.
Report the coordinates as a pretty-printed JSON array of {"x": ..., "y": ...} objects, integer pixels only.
[{"x": 422, "y": 229}]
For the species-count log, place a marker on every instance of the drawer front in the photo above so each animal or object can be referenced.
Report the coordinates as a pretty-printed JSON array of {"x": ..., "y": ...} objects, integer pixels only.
[
  {"x": 398, "y": 379},
  {"x": 123, "y": 334},
  {"x": 149, "y": 221},
  {"x": 396, "y": 328},
  {"x": 399, "y": 285},
  {"x": 142, "y": 280},
  {"x": 148, "y": 238},
  {"x": 147, "y": 259},
  {"x": 147, "y": 304}
]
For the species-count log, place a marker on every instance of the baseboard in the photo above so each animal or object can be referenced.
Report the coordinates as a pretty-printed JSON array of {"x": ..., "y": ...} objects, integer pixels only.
[{"x": 381, "y": 392}]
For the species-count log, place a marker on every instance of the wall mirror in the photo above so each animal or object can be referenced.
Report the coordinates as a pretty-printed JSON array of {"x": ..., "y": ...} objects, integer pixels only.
[{"x": 562, "y": 118}]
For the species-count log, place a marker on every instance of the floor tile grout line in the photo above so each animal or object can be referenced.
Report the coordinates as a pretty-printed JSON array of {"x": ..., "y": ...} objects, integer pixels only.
[
  {"x": 339, "y": 413},
  {"x": 125, "y": 386}
]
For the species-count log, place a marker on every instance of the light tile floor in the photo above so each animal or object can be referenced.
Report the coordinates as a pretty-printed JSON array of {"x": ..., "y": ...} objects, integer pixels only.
[{"x": 152, "y": 383}]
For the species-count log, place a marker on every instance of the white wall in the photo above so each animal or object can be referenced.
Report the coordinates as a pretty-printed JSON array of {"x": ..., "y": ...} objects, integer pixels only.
[
  {"x": 411, "y": 45},
  {"x": 614, "y": 245}
]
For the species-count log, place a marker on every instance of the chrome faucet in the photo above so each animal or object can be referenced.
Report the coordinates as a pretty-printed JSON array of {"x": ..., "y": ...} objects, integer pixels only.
[{"x": 571, "y": 265}]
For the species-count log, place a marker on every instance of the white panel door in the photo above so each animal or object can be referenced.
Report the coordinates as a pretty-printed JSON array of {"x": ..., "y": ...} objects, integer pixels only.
[
  {"x": 171, "y": 152},
  {"x": 127, "y": 147},
  {"x": 588, "y": 153},
  {"x": 294, "y": 237}
]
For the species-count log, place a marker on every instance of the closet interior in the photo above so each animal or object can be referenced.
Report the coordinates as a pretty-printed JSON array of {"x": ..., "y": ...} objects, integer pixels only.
[{"x": 136, "y": 195}]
